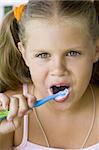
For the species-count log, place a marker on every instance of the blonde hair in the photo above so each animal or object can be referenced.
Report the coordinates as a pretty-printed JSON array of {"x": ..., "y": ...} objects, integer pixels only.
[{"x": 13, "y": 70}]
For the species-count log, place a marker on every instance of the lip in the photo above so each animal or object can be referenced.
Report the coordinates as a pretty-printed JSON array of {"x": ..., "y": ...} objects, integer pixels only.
[
  {"x": 60, "y": 84},
  {"x": 63, "y": 99}
]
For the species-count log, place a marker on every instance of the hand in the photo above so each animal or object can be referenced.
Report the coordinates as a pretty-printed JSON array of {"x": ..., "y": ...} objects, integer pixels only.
[{"x": 18, "y": 105}]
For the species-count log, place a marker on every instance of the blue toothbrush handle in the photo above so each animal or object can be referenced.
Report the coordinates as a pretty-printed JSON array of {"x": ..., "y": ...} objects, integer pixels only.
[
  {"x": 50, "y": 97},
  {"x": 42, "y": 101}
]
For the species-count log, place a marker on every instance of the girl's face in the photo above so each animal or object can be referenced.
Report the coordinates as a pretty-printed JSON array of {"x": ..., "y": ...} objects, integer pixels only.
[{"x": 59, "y": 54}]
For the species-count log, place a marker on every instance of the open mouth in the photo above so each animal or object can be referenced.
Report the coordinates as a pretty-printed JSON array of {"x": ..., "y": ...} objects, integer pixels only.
[{"x": 57, "y": 88}]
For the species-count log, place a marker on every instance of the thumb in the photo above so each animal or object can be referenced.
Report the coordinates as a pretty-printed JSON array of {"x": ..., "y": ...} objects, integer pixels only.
[{"x": 31, "y": 99}]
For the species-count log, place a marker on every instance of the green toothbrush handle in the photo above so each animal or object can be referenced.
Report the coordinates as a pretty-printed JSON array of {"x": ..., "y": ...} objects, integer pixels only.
[{"x": 3, "y": 114}]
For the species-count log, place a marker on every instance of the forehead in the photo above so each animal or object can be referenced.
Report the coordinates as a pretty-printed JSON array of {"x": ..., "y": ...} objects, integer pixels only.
[{"x": 57, "y": 33}]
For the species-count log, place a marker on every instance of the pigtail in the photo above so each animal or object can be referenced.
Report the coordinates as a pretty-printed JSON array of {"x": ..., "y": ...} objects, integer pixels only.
[{"x": 13, "y": 70}]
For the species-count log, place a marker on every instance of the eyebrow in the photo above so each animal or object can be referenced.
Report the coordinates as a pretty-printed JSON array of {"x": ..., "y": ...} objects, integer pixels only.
[
  {"x": 42, "y": 49},
  {"x": 81, "y": 46}
]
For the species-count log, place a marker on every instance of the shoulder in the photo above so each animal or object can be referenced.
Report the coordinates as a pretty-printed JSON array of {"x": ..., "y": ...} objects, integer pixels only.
[{"x": 9, "y": 141}]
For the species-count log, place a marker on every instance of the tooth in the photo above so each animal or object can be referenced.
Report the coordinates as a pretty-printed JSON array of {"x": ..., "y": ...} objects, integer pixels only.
[{"x": 58, "y": 85}]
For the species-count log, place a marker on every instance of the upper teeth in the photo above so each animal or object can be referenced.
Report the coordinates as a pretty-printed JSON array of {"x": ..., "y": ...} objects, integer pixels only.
[{"x": 57, "y": 85}]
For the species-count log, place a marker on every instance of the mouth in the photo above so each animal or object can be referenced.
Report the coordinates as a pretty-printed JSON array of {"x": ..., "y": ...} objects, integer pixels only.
[{"x": 57, "y": 88}]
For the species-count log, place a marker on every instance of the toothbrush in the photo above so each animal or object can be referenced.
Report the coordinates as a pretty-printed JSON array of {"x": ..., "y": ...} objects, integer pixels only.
[
  {"x": 50, "y": 97},
  {"x": 4, "y": 113}
]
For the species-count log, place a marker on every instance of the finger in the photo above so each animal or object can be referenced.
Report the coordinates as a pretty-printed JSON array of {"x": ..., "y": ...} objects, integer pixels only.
[
  {"x": 30, "y": 100},
  {"x": 23, "y": 105},
  {"x": 13, "y": 108},
  {"x": 4, "y": 101}
]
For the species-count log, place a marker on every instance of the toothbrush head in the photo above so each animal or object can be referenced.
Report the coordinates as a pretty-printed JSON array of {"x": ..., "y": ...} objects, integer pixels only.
[{"x": 63, "y": 93}]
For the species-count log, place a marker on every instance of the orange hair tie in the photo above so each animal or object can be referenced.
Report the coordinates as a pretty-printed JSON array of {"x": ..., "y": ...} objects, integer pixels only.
[{"x": 18, "y": 11}]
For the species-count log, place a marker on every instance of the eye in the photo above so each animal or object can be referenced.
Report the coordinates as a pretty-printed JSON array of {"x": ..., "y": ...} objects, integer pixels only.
[
  {"x": 73, "y": 53},
  {"x": 43, "y": 55}
]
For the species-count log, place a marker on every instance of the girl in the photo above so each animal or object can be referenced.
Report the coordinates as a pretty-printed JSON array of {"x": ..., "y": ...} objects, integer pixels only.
[{"x": 48, "y": 46}]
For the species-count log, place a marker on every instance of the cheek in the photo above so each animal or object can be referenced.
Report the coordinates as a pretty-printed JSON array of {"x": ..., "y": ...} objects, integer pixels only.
[
  {"x": 81, "y": 70},
  {"x": 38, "y": 70},
  {"x": 81, "y": 75}
]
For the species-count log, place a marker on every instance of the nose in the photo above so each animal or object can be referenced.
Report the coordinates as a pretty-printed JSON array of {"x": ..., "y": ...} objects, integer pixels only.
[{"x": 58, "y": 67}]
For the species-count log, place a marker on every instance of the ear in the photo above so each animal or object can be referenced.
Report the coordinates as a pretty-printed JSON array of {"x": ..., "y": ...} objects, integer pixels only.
[
  {"x": 96, "y": 58},
  {"x": 22, "y": 50}
]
